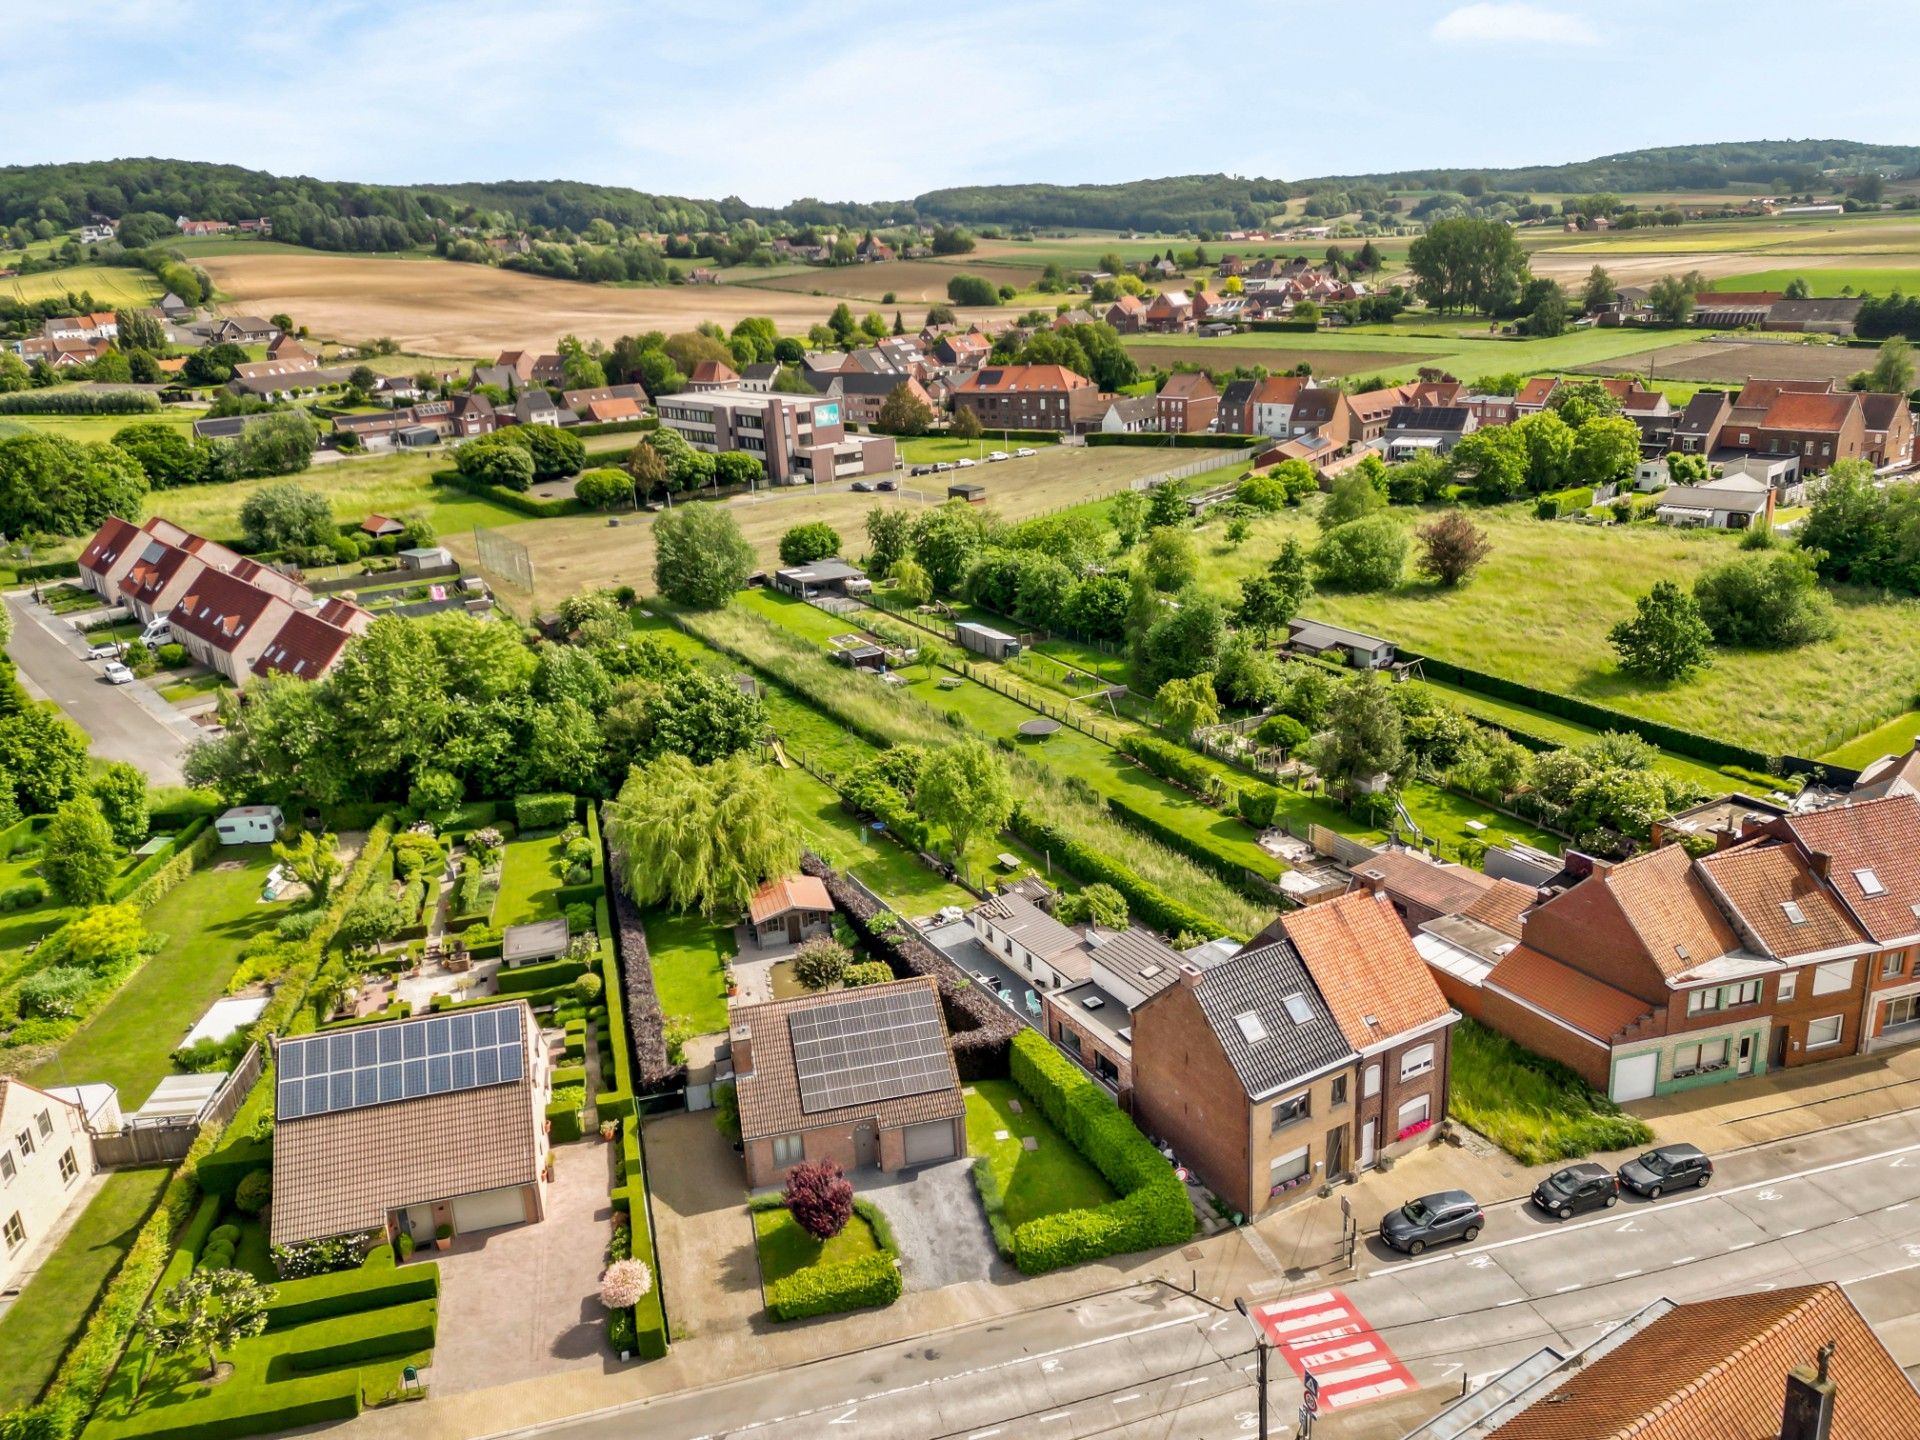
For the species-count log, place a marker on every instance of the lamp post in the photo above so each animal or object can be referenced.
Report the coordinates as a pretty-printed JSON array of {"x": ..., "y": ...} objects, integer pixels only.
[{"x": 1262, "y": 1344}]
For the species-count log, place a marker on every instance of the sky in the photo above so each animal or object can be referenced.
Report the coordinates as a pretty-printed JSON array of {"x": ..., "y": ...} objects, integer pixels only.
[{"x": 850, "y": 100}]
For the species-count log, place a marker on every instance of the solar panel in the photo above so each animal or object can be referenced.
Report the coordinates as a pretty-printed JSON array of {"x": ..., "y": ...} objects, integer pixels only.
[
  {"x": 865, "y": 1049},
  {"x": 377, "y": 1065}
]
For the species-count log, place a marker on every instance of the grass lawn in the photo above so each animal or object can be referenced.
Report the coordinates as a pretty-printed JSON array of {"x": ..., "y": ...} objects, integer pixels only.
[
  {"x": 83, "y": 428},
  {"x": 785, "y": 1249},
  {"x": 20, "y": 928},
  {"x": 885, "y": 867},
  {"x": 1043, "y": 1181},
  {"x": 928, "y": 449},
  {"x": 1828, "y": 280},
  {"x": 1897, "y": 735},
  {"x": 205, "y": 920},
  {"x": 36, "y": 1331},
  {"x": 530, "y": 878},
  {"x": 1534, "y": 1109},
  {"x": 689, "y": 954},
  {"x": 193, "y": 685}
]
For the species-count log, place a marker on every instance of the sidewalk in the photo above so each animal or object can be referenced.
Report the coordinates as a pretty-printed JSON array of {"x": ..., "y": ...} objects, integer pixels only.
[{"x": 1786, "y": 1103}]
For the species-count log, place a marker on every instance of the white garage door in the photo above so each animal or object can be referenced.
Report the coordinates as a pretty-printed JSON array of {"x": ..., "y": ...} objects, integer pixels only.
[
  {"x": 1633, "y": 1077},
  {"x": 933, "y": 1141},
  {"x": 489, "y": 1209}
]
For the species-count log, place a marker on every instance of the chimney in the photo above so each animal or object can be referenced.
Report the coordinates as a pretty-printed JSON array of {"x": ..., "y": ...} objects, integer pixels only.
[
  {"x": 1821, "y": 864},
  {"x": 1190, "y": 975},
  {"x": 740, "y": 1043},
  {"x": 1808, "y": 1411}
]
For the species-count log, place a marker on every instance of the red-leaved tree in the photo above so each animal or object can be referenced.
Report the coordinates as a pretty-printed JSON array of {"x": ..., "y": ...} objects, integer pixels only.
[{"x": 820, "y": 1198}]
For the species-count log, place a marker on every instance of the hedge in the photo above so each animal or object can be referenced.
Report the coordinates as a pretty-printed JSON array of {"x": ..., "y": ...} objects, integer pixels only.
[
  {"x": 1670, "y": 737},
  {"x": 1153, "y": 1209},
  {"x": 872, "y": 1280},
  {"x": 402, "y": 1331},
  {"x": 80, "y": 402},
  {"x": 650, "y": 1317},
  {"x": 272, "y": 1411},
  {"x": 1181, "y": 440},
  {"x": 1233, "y": 870},
  {"x": 563, "y": 1112},
  {"x": 521, "y": 979},
  {"x": 1563, "y": 502},
  {"x": 543, "y": 812},
  {"x": 349, "y": 1292},
  {"x": 1152, "y": 904},
  {"x": 513, "y": 499}
]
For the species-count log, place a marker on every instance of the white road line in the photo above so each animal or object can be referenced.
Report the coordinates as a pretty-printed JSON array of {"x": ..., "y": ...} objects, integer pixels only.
[
  {"x": 1340, "y": 1399},
  {"x": 1743, "y": 1245},
  {"x": 1797, "y": 1230},
  {"x": 982, "y": 1434},
  {"x": 1627, "y": 1274},
  {"x": 1189, "y": 1384},
  {"x": 1521, "y": 1301},
  {"x": 1697, "y": 1198},
  {"x": 1901, "y": 1206},
  {"x": 1565, "y": 1288},
  {"x": 1684, "y": 1260},
  {"x": 1123, "y": 1399},
  {"x": 1355, "y": 1372},
  {"x": 1057, "y": 1415}
]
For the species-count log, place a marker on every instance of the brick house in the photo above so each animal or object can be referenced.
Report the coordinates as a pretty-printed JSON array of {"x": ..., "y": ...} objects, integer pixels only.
[
  {"x": 860, "y": 1077},
  {"x": 1235, "y": 413},
  {"x": 1188, "y": 401},
  {"x": 1093, "y": 1020},
  {"x": 1170, "y": 311},
  {"x": 1020, "y": 397},
  {"x": 1328, "y": 414},
  {"x": 1026, "y": 938},
  {"x": 1128, "y": 314},
  {"x": 226, "y": 623},
  {"x": 1420, "y": 889},
  {"x": 1819, "y": 425}
]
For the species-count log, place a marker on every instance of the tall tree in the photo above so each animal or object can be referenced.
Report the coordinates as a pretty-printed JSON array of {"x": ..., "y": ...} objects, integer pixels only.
[
  {"x": 120, "y": 790},
  {"x": 966, "y": 789},
  {"x": 701, "y": 837},
  {"x": 1892, "y": 372},
  {"x": 1187, "y": 704},
  {"x": 1364, "y": 737},
  {"x": 80, "y": 858},
  {"x": 1600, "y": 291},
  {"x": 700, "y": 557},
  {"x": 1452, "y": 547},
  {"x": 1666, "y": 639}
]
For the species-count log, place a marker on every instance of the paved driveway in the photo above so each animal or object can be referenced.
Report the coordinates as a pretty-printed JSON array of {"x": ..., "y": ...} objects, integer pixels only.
[
  {"x": 937, "y": 1220},
  {"x": 125, "y": 722},
  {"x": 705, "y": 1238},
  {"x": 525, "y": 1301}
]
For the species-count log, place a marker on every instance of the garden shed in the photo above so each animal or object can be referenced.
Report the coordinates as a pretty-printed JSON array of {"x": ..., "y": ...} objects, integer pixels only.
[{"x": 533, "y": 942}]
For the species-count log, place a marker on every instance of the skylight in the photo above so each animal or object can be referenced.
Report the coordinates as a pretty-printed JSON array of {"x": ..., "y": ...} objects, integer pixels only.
[
  {"x": 1298, "y": 1010},
  {"x": 1869, "y": 882},
  {"x": 1147, "y": 972},
  {"x": 1251, "y": 1030},
  {"x": 1795, "y": 915}
]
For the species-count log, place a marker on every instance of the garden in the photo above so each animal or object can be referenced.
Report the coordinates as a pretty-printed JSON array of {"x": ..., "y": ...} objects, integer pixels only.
[
  {"x": 822, "y": 1250},
  {"x": 1535, "y": 1109},
  {"x": 1043, "y": 1178}
]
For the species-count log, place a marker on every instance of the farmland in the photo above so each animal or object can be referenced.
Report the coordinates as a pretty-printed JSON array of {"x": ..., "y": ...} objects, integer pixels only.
[
  {"x": 1732, "y": 362},
  {"x": 912, "y": 282},
  {"x": 110, "y": 285}
]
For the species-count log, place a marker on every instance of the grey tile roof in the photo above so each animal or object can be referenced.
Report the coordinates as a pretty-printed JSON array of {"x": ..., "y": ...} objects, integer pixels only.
[
  {"x": 1260, "y": 982},
  {"x": 1132, "y": 952},
  {"x": 1019, "y": 917}
]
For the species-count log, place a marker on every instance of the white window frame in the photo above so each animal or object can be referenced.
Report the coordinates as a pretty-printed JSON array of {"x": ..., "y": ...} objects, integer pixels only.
[
  {"x": 789, "y": 1149},
  {"x": 9, "y": 1167},
  {"x": 1416, "y": 1062},
  {"x": 1833, "y": 977},
  {"x": 25, "y": 1141},
  {"x": 1892, "y": 963},
  {"x": 69, "y": 1166},
  {"x": 1421, "y": 1103},
  {"x": 16, "y": 1232},
  {"x": 46, "y": 1124},
  {"x": 1839, "y": 1026},
  {"x": 1370, "y": 1084},
  {"x": 1706, "y": 1002},
  {"x": 1285, "y": 1112},
  {"x": 1789, "y": 984}
]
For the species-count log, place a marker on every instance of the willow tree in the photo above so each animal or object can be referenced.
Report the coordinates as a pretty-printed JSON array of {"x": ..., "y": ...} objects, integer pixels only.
[{"x": 701, "y": 837}]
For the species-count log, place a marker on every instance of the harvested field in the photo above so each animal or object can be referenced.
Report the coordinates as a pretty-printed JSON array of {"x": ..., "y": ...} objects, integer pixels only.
[
  {"x": 440, "y": 307},
  {"x": 584, "y": 552},
  {"x": 1735, "y": 362},
  {"x": 911, "y": 281}
]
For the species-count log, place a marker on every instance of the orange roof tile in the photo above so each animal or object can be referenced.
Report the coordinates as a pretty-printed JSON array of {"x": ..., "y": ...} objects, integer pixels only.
[
  {"x": 1802, "y": 411},
  {"x": 1366, "y": 968},
  {"x": 1501, "y": 907},
  {"x": 789, "y": 892},
  {"x": 1669, "y": 908},
  {"x": 1587, "y": 1004},
  {"x": 1878, "y": 840},
  {"x": 1760, "y": 879}
]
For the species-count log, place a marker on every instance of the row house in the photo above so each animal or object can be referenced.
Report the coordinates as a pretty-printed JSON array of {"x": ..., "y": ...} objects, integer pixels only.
[
  {"x": 1187, "y": 402},
  {"x": 98, "y": 325},
  {"x": 1270, "y": 409},
  {"x": 1097, "y": 412},
  {"x": 1020, "y": 397},
  {"x": 1092, "y": 1020},
  {"x": 608, "y": 402},
  {"x": 1234, "y": 415},
  {"x": 1320, "y": 1048},
  {"x": 968, "y": 350}
]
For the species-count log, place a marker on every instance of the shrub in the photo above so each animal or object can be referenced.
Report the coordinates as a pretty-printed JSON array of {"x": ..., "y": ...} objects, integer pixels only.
[
  {"x": 866, "y": 972},
  {"x": 587, "y": 988},
  {"x": 819, "y": 1197},
  {"x": 621, "y": 1333},
  {"x": 829, "y": 1289},
  {"x": 542, "y": 812},
  {"x": 22, "y": 897},
  {"x": 254, "y": 1192},
  {"x": 321, "y": 1257},
  {"x": 625, "y": 1282},
  {"x": 819, "y": 963}
]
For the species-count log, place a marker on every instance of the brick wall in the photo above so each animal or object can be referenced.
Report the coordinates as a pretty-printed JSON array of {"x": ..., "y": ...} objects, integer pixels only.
[
  {"x": 1186, "y": 1094},
  {"x": 1591, "y": 1061}
]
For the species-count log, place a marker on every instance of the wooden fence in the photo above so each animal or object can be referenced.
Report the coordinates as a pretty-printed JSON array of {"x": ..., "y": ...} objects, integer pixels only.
[{"x": 166, "y": 1141}]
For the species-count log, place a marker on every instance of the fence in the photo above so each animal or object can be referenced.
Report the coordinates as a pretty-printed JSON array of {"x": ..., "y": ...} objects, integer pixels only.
[
  {"x": 333, "y": 584},
  {"x": 153, "y": 1142},
  {"x": 1213, "y": 460}
]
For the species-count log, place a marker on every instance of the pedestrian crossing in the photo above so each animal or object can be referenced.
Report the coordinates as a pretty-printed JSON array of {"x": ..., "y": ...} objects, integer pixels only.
[{"x": 1323, "y": 1333}]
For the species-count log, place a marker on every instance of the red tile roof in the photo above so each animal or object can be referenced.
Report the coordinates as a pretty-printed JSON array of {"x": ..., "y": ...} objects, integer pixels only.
[
  {"x": 1760, "y": 878},
  {"x": 1022, "y": 379},
  {"x": 159, "y": 562},
  {"x": 109, "y": 543},
  {"x": 1280, "y": 389},
  {"x": 1579, "y": 1000},
  {"x": 1366, "y": 968},
  {"x": 1502, "y": 906},
  {"x": 1802, "y": 411},
  {"x": 1188, "y": 385},
  {"x": 1669, "y": 908},
  {"x": 221, "y": 609},
  {"x": 1536, "y": 390},
  {"x": 790, "y": 892},
  {"x": 304, "y": 648},
  {"x": 1443, "y": 888},
  {"x": 1876, "y": 840},
  {"x": 709, "y": 371}
]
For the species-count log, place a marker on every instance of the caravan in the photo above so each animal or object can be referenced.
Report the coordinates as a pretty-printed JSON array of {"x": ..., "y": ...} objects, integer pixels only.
[{"x": 250, "y": 825}]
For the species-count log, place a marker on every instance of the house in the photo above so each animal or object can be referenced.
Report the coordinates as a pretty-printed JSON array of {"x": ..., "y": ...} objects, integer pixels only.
[
  {"x": 310, "y": 641},
  {"x": 535, "y": 406},
  {"x": 860, "y": 1077},
  {"x": 871, "y": 251},
  {"x": 1419, "y": 889},
  {"x": 1412, "y": 429},
  {"x": 1371, "y": 409},
  {"x": 966, "y": 351},
  {"x": 800, "y": 439},
  {"x": 194, "y": 229},
  {"x": 1732, "y": 309},
  {"x": 1029, "y": 941},
  {"x": 1235, "y": 413},
  {"x": 1095, "y": 412},
  {"x": 458, "y": 417},
  {"x": 1363, "y": 652},
  {"x": 823, "y": 577},
  {"x": 1020, "y": 397},
  {"x": 759, "y": 376},
  {"x": 529, "y": 368},
  {"x": 1092, "y": 1020},
  {"x": 1327, "y": 413},
  {"x": 609, "y": 402},
  {"x": 1820, "y": 425},
  {"x": 1491, "y": 409},
  {"x": 46, "y": 1159},
  {"x": 713, "y": 375},
  {"x": 1462, "y": 948},
  {"x": 115, "y": 547},
  {"x": 1834, "y": 315},
  {"x": 226, "y": 623},
  {"x": 100, "y": 232},
  {"x": 862, "y": 393},
  {"x": 1798, "y": 1362},
  {"x": 790, "y": 909},
  {"x": 1735, "y": 503},
  {"x": 404, "y": 1127},
  {"x": 98, "y": 325},
  {"x": 1890, "y": 432},
  {"x": 1889, "y": 775},
  {"x": 242, "y": 330},
  {"x": 1273, "y": 402},
  {"x": 1169, "y": 311},
  {"x": 1188, "y": 401},
  {"x": 288, "y": 350},
  {"x": 1128, "y": 314},
  {"x": 1532, "y": 397}
]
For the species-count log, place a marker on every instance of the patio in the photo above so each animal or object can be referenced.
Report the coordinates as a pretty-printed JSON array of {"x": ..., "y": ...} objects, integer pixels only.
[{"x": 957, "y": 942}]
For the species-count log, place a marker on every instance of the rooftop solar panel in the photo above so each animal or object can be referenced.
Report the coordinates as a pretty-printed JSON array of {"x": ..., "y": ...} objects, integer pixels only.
[
  {"x": 433, "y": 1055},
  {"x": 863, "y": 1049}
]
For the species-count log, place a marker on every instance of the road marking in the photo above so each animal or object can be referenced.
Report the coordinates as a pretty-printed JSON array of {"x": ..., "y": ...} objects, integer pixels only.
[
  {"x": 1901, "y": 1206},
  {"x": 1626, "y": 1227},
  {"x": 1315, "y": 1331},
  {"x": 1743, "y": 1245},
  {"x": 1684, "y": 1260},
  {"x": 1521, "y": 1301},
  {"x": 1189, "y": 1384},
  {"x": 1797, "y": 1230},
  {"x": 1049, "y": 1367},
  {"x": 1698, "y": 1197},
  {"x": 1565, "y": 1288},
  {"x": 846, "y": 1419},
  {"x": 1123, "y": 1399},
  {"x": 1056, "y": 1415},
  {"x": 1225, "y": 1320},
  {"x": 1627, "y": 1274},
  {"x": 983, "y": 1434}
]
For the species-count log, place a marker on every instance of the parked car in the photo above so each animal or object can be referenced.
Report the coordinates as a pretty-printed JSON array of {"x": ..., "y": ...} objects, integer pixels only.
[
  {"x": 1446, "y": 1215},
  {"x": 887, "y": 485},
  {"x": 107, "y": 651},
  {"x": 998, "y": 455},
  {"x": 118, "y": 674},
  {"x": 921, "y": 470},
  {"x": 1670, "y": 1167},
  {"x": 942, "y": 466},
  {"x": 862, "y": 486},
  {"x": 1585, "y": 1186},
  {"x": 964, "y": 464},
  {"x": 1024, "y": 453}
]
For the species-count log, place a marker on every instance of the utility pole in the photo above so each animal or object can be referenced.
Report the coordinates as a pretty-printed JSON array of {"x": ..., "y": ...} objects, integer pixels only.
[{"x": 1263, "y": 1345}]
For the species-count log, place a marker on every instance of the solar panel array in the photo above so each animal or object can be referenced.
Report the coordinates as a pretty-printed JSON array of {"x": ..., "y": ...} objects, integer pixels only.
[
  {"x": 377, "y": 1065},
  {"x": 868, "y": 1048}
]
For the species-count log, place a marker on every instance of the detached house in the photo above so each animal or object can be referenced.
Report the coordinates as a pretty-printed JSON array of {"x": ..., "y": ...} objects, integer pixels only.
[
  {"x": 1188, "y": 401},
  {"x": 1170, "y": 311},
  {"x": 46, "y": 1158}
]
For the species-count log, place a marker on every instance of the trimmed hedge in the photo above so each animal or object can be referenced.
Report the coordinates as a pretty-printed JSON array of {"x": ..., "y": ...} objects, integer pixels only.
[
  {"x": 1553, "y": 505},
  {"x": 1153, "y": 1209},
  {"x": 543, "y": 812},
  {"x": 1152, "y": 904},
  {"x": 150, "y": 867},
  {"x": 520, "y": 979},
  {"x": 614, "y": 427},
  {"x": 349, "y": 1292},
  {"x": 274, "y": 1411},
  {"x": 513, "y": 499},
  {"x": 400, "y": 1331},
  {"x": 869, "y": 1282}
]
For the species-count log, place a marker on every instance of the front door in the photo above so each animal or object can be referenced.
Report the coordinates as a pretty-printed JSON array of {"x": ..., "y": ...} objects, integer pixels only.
[
  {"x": 1336, "y": 1151},
  {"x": 1745, "y": 1063},
  {"x": 1366, "y": 1145},
  {"x": 866, "y": 1145},
  {"x": 1779, "y": 1057},
  {"x": 793, "y": 927}
]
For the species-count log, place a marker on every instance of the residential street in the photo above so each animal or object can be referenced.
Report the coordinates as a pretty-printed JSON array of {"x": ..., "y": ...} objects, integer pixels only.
[
  {"x": 126, "y": 722},
  {"x": 1151, "y": 1362}
]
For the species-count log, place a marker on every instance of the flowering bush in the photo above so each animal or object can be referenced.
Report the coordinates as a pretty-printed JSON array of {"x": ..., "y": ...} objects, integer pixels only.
[
  {"x": 1414, "y": 1129},
  {"x": 625, "y": 1282}
]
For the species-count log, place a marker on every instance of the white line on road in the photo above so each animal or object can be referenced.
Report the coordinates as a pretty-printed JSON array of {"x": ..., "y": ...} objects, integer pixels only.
[
  {"x": 1057, "y": 1415},
  {"x": 1684, "y": 1260},
  {"x": 1123, "y": 1399},
  {"x": 1521, "y": 1301},
  {"x": 1901, "y": 1206},
  {"x": 1565, "y": 1288},
  {"x": 1743, "y": 1245},
  {"x": 1188, "y": 1384},
  {"x": 1627, "y": 1274},
  {"x": 1696, "y": 1198},
  {"x": 982, "y": 1434},
  {"x": 1797, "y": 1230}
]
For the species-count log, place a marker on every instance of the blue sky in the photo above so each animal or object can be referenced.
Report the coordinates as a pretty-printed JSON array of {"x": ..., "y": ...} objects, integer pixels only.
[{"x": 856, "y": 100}]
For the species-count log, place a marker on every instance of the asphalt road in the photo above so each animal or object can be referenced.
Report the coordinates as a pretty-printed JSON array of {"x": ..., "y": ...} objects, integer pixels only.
[
  {"x": 50, "y": 656},
  {"x": 1152, "y": 1363}
]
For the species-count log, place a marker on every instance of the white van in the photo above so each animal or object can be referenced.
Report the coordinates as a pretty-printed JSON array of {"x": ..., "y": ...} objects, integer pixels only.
[{"x": 158, "y": 632}]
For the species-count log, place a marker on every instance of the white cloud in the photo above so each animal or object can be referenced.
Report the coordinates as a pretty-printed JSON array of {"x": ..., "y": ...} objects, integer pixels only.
[{"x": 1512, "y": 22}]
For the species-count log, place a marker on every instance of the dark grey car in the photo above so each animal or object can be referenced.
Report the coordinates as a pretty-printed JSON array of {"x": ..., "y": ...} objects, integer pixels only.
[
  {"x": 1578, "y": 1187},
  {"x": 1448, "y": 1215},
  {"x": 1670, "y": 1167}
]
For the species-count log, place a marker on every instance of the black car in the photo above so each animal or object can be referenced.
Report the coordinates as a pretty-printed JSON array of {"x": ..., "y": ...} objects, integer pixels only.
[
  {"x": 1671, "y": 1167},
  {"x": 1578, "y": 1187},
  {"x": 886, "y": 485},
  {"x": 921, "y": 470},
  {"x": 1448, "y": 1215}
]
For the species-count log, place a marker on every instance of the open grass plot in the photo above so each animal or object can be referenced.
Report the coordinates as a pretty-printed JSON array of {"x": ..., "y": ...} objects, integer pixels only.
[
  {"x": 1893, "y": 738},
  {"x": 850, "y": 845},
  {"x": 204, "y": 920},
  {"x": 690, "y": 953},
  {"x": 83, "y": 429},
  {"x": 1730, "y": 364},
  {"x": 1039, "y": 1171},
  {"x": 785, "y": 1249},
  {"x": 531, "y": 876},
  {"x": 39, "y": 1326},
  {"x": 111, "y": 286},
  {"x": 1534, "y": 1109}
]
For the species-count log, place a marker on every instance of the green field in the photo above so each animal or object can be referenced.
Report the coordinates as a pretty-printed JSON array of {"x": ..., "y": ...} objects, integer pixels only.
[
  {"x": 83, "y": 428},
  {"x": 1829, "y": 280},
  {"x": 689, "y": 954},
  {"x": 110, "y": 285},
  {"x": 1892, "y": 738}
]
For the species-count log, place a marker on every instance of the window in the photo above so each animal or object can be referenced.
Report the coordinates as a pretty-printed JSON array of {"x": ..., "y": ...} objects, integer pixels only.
[
  {"x": 1692, "y": 1059},
  {"x": 1795, "y": 915},
  {"x": 789, "y": 1149},
  {"x": 1297, "y": 1008},
  {"x": 1413, "y": 1112},
  {"x": 1251, "y": 1030},
  {"x": 1823, "y": 1032},
  {"x": 1903, "y": 1010},
  {"x": 69, "y": 1167},
  {"x": 1417, "y": 1061},
  {"x": 25, "y": 1141},
  {"x": 8, "y": 1169},
  {"x": 1869, "y": 883},
  {"x": 1070, "y": 1039},
  {"x": 16, "y": 1232},
  {"x": 1789, "y": 983},
  {"x": 1292, "y": 1110},
  {"x": 46, "y": 1124},
  {"x": 1747, "y": 992},
  {"x": 1370, "y": 1083},
  {"x": 1833, "y": 977},
  {"x": 1289, "y": 1170},
  {"x": 1339, "y": 1089},
  {"x": 1705, "y": 1002}
]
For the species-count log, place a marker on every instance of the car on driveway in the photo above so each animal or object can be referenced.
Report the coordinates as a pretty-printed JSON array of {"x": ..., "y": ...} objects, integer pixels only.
[
  {"x": 118, "y": 674},
  {"x": 1578, "y": 1187},
  {"x": 1670, "y": 1167},
  {"x": 108, "y": 651},
  {"x": 1432, "y": 1219},
  {"x": 1025, "y": 453}
]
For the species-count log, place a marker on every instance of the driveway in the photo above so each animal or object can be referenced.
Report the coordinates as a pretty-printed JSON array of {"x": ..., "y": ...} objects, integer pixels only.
[
  {"x": 125, "y": 722},
  {"x": 937, "y": 1221},
  {"x": 523, "y": 1302},
  {"x": 710, "y": 1275}
]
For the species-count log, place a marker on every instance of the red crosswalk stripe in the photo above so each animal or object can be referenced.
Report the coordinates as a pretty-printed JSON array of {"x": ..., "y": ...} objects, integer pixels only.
[{"x": 1323, "y": 1333}]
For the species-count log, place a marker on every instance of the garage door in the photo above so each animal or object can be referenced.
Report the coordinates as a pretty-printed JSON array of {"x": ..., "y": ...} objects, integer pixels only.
[
  {"x": 930, "y": 1142},
  {"x": 1633, "y": 1077},
  {"x": 489, "y": 1209}
]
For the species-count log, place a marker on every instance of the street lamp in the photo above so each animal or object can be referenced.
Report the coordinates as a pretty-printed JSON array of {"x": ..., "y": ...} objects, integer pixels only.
[{"x": 1263, "y": 1345}]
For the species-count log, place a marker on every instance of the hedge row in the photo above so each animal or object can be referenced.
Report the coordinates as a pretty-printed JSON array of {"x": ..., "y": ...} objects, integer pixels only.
[
  {"x": 871, "y": 1281},
  {"x": 649, "y": 1316},
  {"x": 148, "y": 870},
  {"x": 979, "y": 1029},
  {"x": 543, "y": 811},
  {"x": 1233, "y": 870},
  {"x": 513, "y": 499},
  {"x": 1153, "y": 1209},
  {"x": 348, "y": 1292},
  {"x": 1556, "y": 503},
  {"x": 522, "y": 978},
  {"x": 1670, "y": 737},
  {"x": 614, "y": 427},
  {"x": 1181, "y": 440},
  {"x": 401, "y": 1331},
  {"x": 1152, "y": 904}
]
